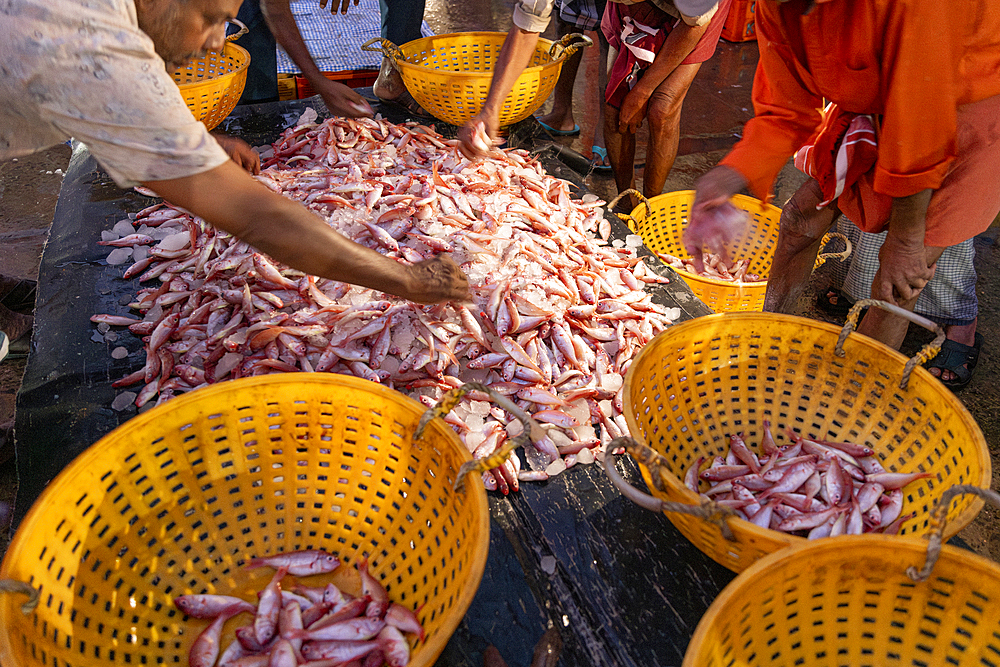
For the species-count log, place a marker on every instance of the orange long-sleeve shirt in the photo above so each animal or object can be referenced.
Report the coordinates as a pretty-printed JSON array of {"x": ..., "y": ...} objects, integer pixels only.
[{"x": 913, "y": 62}]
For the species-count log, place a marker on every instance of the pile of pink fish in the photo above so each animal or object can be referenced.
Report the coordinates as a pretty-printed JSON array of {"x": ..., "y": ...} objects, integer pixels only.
[
  {"x": 714, "y": 267},
  {"x": 813, "y": 488},
  {"x": 304, "y": 626},
  {"x": 559, "y": 312}
]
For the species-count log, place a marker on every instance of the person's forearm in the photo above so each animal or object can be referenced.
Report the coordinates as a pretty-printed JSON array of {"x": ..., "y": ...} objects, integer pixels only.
[
  {"x": 278, "y": 14},
  {"x": 678, "y": 45},
  {"x": 233, "y": 201},
  {"x": 513, "y": 59},
  {"x": 908, "y": 219}
]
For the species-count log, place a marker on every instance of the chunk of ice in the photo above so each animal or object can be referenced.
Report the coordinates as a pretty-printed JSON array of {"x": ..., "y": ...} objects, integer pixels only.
[
  {"x": 556, "y": 467},
  {"x": 175, "y": 242},
  {"x": 123, "y": 228},
  {"x": 119, "y": 256},
  {"x": 119, "y": 352},
  {"x": 123, "y": 400}
]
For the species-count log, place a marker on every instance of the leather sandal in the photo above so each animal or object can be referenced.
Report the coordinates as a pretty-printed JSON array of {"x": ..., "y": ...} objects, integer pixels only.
[{"x": 959, "y": 359}]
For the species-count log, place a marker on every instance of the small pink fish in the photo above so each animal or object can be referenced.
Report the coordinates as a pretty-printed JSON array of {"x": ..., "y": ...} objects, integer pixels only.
[
  {"x": 374, "y": 589},
  {"x": 897, "y": 480},
  {"x": 265, "y": 623},
  {"x": 403, "y": 619},
  {"x": 205, "y": 649},
  {"x": 299, "y": 563},
  {"x": 352, "y": 629},
  {"x": 339, "y": 651},
  {"x": 210, "y": 606},
  {"x": 114, "y": 320},
  {"x": 283, "y": 655},
  {"x": 394, "y": 645}
]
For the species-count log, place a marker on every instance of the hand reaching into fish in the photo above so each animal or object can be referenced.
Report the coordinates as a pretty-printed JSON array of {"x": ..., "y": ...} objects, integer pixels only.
[
  {"x": 342, "y": 100},
  {"x": 437, "y": 279},
  {"x": 239, "y": 152},
  {"x": 478, "y": 136},
  {"x": 714, "y": 222}
]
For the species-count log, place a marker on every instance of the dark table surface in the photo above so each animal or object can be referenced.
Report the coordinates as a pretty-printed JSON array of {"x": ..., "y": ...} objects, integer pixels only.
[{"x": 621, "y": 585}]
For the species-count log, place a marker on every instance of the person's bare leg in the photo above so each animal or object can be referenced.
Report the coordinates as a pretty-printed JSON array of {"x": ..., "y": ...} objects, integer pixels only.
[
  {"x": 621, "y": 147},
  {"x": 561, "y": 115},
  {"x": 602, "y": 85},
  {"x": 891, "y": 329},
  {"x": 799, "y": 234},
  {"x": 663, "y": 113},
  {"x": 621, "y": 153}
]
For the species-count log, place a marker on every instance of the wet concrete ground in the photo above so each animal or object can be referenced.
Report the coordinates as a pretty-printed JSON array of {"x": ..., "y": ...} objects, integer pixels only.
[{"x": 714, "y": 112}]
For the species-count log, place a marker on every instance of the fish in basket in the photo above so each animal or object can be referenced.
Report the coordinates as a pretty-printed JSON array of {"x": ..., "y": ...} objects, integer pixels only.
[
  {"x": 860, "y": 601},
  {"x": 180, "y": 500},
  {"x": 699, "y": 383}
]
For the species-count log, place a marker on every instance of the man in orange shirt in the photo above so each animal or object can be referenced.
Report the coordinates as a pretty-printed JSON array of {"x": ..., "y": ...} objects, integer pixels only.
[{"x": 927, "y": 81}]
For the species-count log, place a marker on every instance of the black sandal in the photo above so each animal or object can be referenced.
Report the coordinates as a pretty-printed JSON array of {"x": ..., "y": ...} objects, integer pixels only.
[
  {"x": 959, "y": 359},
  {"x": 834, "y": 302}
]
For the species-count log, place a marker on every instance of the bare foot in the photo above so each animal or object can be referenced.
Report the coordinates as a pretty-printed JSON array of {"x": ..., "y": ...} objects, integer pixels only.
[
  {"x": 561, "y": 122},
  {"x": 964, "y": 334},
  {"x": 389, "y": 87}
]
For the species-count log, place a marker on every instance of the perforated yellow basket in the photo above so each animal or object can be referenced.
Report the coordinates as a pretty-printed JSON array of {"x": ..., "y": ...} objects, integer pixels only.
[
  {"x": 177, "y": 499},
  {"x": 212, "y": 85},
  {"x": 450, "y": 75},
  {"x": 698, "y": 382},
  {"x": 660, "y": 222},
  {"x": 848, "y": 601}
]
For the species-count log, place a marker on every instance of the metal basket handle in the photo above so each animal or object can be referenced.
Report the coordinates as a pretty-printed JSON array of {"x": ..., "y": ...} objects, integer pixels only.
[
  {"x": 385, "y": 47},
  {"x": 708, "y": 510},
  {"x": 236, "y": 35},
  {"x": 627, "y": 217},
  {"x": 938, "y": 519},
  {"x": 842, "y": 256},
  {"x": 568, "y": 45},
  {"x": 15, "y": 586},
  {"x": 927, "y": 352}
]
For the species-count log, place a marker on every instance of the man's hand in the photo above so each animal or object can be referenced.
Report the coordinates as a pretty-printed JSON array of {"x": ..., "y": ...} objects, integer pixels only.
[
  {"x": 478, "y": 136},
  {"x": 435, "y": 280},
  {"x": 633, "y": 110},
  {"x": 714, "y": 223},
  {"x": 240, "y": 152},
  {"x": 903, "y": 270},
  {"x": 338, "y": 4},
  {"x": 342, "y": 100}
]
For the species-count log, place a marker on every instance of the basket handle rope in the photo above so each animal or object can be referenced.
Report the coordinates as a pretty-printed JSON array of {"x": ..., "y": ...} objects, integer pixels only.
[
  {"x": 532, "y": 431},
  {"x": 627, "y": 217},
  {"x": 657, "y": 465},
  {"x": 568, "y": 45},
  {"x": 385, "y": 47},
  {"x": 927, "y": 352},
  {"x": 14, "y": 586},
  {"x": 236, "y": 35},
  {"x": 842, "y": 256},
  {"x": 938, "y": 519}
]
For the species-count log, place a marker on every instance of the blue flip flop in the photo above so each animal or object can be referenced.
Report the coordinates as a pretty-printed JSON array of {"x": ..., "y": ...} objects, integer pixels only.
[
  {"x": 600, "y": 155},
  {"x": 560, "y": 133}
]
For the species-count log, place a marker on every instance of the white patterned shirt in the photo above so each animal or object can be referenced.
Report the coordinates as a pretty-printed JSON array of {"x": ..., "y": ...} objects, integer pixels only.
[{"x": 84, "y": 69}]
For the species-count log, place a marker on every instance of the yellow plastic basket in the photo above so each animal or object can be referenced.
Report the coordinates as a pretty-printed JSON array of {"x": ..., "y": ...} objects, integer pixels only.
[
  {"x": 212, "y": 85},
  {"x": 660, "y": 222},
  {"x": 177, "y": 499},
  {"x": 698, "y": 382},
  {"x": 450, "y": 75},
  {"x": 848, "y": 601}
]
